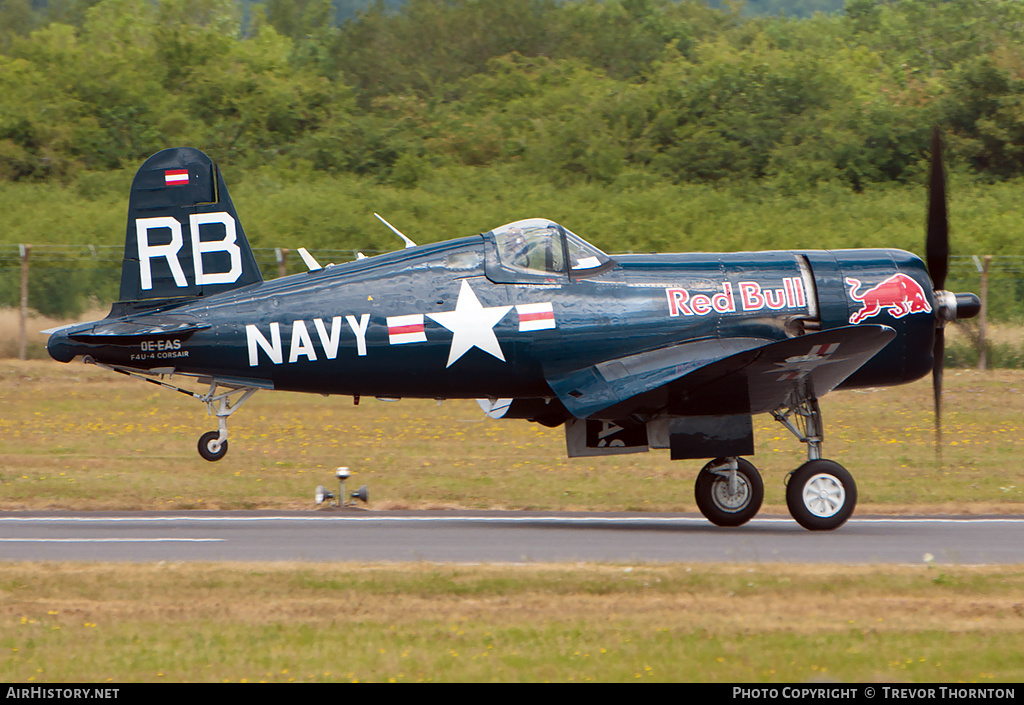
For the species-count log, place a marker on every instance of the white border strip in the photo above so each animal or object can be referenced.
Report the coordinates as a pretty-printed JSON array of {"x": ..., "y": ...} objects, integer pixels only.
[
  {"x": 156, "y": 540},
  {"x": 482, "y": 519}
]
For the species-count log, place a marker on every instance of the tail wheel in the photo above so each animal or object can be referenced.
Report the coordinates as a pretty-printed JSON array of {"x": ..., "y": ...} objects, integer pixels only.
[
  {"x": 821, "y": 495},
  {"x": 210, "y": 448},
  {"x": 725, "y": 504}
]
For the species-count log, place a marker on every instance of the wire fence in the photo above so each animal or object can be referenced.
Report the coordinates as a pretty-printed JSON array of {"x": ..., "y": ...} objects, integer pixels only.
[
  {"x": 106, "y": 257},
  {"x": 64, "y": 279}
]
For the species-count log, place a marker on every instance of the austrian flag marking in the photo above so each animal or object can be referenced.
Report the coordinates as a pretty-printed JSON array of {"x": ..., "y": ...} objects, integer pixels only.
[
  {"x": 176, "y": 177},
  {"x": 535, "y": 316},
  {"x": 406, "y": 329}
]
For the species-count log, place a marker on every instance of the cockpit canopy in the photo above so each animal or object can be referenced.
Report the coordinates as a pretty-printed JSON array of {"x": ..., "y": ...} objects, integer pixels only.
[{"x": 540, "y": 247}]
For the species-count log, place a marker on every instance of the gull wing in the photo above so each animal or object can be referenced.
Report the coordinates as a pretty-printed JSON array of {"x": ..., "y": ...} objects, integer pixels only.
[{"x": 717, "y": 375}]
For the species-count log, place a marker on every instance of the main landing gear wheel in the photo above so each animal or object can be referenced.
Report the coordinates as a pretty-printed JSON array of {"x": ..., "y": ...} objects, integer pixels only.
[
  {"x": 724, "y": 502},
  {"x": 821, "y": 495},
  {"x": 210, "y": 448}
]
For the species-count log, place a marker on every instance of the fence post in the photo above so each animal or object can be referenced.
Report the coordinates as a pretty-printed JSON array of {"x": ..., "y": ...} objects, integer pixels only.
[
  {"x": 983, "y": 315},
  {"x": 22, "y": 334},
  {"x": 282, "y": 260}
]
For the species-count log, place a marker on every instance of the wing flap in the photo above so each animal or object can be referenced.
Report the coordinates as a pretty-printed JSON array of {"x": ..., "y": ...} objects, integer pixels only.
[{"x": 590, "y": 389}]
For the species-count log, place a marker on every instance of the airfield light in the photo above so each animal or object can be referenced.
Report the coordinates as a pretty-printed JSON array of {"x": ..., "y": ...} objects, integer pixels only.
[
  {"x": 322, "y": 494},
  {"x": 342, "y": 473}
]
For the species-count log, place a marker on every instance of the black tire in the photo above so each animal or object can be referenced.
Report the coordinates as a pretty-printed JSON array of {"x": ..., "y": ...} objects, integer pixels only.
[
  {"x": 821, "y": 495},
  {"x": 206, "y": 440},
  {"x": 712, "y": 494}
]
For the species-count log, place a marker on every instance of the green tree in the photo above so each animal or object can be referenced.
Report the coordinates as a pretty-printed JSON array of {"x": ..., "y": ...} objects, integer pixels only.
[
  {"x": 984, "y": 106},
  {"x": 16, "y": 20}
]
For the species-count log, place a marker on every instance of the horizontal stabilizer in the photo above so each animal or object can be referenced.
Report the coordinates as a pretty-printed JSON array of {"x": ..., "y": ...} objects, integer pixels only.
[{"x": 122, "y": 330}]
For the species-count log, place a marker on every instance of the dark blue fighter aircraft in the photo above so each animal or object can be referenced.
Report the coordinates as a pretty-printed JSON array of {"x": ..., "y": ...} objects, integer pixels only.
[{"x": 671, "y": 351}]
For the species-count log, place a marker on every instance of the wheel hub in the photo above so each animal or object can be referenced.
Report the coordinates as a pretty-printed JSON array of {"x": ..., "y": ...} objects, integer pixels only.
[
  {"x": 824, "y": 496},
  {"x": 731, "y": 501}
]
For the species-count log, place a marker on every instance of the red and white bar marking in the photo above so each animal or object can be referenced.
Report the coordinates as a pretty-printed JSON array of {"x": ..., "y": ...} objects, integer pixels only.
[
  {"x": 406, "y": 329},
  {"x": 535, "y": 316},
  {"x": 176, "y": 177}
]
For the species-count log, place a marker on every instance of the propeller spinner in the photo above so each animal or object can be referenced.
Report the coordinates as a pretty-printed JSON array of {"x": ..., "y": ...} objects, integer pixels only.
[{"x": 949, "y": 306}]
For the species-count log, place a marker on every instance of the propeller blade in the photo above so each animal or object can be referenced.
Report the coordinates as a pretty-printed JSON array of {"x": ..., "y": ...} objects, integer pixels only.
[
  {"x": 937, "y": 241},
  {"x": 939, "y": 353},
  {"x": 937, "y": 258}
]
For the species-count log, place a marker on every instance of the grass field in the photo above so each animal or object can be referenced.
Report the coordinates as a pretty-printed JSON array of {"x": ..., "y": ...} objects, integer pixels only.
[
  {"x": 76, "y": 437},
  {"x": 418, "y": 622}
]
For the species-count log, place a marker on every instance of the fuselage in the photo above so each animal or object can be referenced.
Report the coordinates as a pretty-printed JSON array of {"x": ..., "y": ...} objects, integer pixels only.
[{"x": 452, "y": 320}]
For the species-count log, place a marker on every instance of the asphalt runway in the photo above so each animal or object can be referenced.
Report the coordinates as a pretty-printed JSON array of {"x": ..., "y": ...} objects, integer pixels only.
[{"x": 504, "y": 537}]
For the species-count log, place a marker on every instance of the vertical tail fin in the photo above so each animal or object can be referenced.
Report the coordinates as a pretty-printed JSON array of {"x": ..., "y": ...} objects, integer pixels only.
[{"x": 184, "y": 238}]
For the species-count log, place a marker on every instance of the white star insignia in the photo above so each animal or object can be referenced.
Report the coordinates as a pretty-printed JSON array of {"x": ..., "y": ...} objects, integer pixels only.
[
  {"x": 472, "y": 325},
  {"x": 799, "y": 365}
]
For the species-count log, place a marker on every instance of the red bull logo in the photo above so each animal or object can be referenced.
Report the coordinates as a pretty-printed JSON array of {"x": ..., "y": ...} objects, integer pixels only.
[{"x": 900, "y": 294}]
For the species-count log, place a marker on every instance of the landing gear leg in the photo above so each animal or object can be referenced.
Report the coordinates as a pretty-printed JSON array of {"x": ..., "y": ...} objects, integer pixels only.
[
  {"x": 729, "y": 491},
  {"x": 820, "y": 494},
  {"x": 213, "y": 445}
]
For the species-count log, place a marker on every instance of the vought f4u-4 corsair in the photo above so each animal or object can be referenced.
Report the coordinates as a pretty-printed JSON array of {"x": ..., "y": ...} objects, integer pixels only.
[{"x": 627, "y": 352}]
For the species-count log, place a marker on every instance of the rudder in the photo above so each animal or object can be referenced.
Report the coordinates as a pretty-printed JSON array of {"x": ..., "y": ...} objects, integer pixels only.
[{"x": 183, "y": 238}]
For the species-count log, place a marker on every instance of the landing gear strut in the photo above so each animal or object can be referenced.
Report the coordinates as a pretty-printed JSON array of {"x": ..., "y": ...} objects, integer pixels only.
[
  {"x": 820, "y": 494},
  {"x": 213, "y": 445}
]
